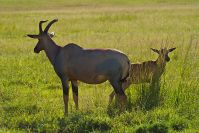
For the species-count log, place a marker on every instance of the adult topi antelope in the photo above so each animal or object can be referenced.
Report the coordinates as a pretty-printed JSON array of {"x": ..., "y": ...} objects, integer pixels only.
[
  {"x": 147, "y": 72},
  {"x": 92, "y": 66}
]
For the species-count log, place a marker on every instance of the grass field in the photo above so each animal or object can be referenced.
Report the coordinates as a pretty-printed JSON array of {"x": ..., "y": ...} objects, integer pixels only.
[{"x": 31, "y": 94}]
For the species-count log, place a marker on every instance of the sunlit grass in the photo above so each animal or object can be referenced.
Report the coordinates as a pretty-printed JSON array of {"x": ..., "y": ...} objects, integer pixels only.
[{"x": 30, "y": 91}]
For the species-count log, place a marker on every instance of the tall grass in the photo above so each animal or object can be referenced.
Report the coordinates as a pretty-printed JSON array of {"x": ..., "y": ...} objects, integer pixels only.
[{"x": 30, "y": 92}]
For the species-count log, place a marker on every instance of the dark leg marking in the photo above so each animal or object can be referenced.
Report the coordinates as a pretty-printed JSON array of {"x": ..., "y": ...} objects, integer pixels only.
[
  {"x": 75, "y": 93},
  {"x": 74, "y": 87},
  {"x": 65, "y": 93}
]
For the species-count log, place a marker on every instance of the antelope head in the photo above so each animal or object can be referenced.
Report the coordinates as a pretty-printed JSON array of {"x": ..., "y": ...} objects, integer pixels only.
[
  {"x": 43, "y": 37},
  {"x": 163, "y": 54}
]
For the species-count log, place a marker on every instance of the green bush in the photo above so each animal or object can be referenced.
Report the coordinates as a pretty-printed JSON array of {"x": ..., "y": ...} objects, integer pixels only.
[
  {"x": 82, "y": 123},
  {"x": 141, "y": 129},
  {"x": 153, "y": 128},
  {"x": 179, "y": 124},
  {"x": 158, "y": 128}
]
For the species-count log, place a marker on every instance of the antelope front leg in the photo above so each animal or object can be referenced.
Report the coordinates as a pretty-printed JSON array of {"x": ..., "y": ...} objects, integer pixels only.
[
  {"x": 75, "y": 93},
  {"x": 65, "y": 94}
]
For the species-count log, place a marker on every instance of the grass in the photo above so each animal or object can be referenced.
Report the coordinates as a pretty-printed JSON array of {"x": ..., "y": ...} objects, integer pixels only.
[{"x": 30, "y": 91}]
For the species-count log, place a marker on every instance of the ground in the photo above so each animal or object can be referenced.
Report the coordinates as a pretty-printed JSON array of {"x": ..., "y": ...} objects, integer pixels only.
[{"x": 30, "y": 92}]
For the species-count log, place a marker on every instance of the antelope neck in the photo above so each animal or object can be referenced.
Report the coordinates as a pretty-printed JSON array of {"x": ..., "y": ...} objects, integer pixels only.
[
  {"x": 161, "y": 63},
  {"x": 52, "y": 50}
]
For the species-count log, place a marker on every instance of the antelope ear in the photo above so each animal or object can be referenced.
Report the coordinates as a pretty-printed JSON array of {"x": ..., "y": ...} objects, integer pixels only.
[
  {"x": 171, "y": 49},
  {"x": 52, "y": 34},
  {"x": 33, "y": 36},
  {"x": 155, "y": 50}
]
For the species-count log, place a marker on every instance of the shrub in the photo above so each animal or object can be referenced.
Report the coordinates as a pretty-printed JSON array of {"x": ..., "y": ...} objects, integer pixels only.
[
  {"x": 141, "y": 129},
  {"x": 179, "y": 124},
  {"x": 158, "y": 128},
  {"x": 83, "y": 123}
]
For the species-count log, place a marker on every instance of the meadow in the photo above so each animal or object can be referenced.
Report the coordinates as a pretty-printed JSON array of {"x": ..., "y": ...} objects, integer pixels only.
[{"x": 30, "y": 91}]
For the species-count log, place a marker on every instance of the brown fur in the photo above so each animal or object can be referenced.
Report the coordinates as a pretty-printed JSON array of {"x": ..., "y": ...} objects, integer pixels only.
[{"x": 146, "y": 72}]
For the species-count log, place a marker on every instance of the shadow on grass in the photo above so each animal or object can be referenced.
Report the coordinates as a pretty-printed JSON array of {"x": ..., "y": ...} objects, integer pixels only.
[
  {"x": 153, "y": 128},
  {"x": 83, "y": 123}
]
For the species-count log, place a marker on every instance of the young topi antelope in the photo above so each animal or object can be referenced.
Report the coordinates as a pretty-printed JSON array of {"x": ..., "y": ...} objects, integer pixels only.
[
  {"x": 147, "y": 72},
  {"x": 92, "y": 66}
]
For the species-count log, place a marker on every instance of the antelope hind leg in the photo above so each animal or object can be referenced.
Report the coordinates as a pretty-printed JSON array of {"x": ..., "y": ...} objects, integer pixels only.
[
  {"x": 125, "y": 85},
  {"x": 121, "y": 97}
]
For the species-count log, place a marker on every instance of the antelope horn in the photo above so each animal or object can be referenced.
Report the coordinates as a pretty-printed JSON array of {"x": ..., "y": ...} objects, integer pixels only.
[
  {"x": 40, "y": 25},
  {"x": 49, "y": 25}
]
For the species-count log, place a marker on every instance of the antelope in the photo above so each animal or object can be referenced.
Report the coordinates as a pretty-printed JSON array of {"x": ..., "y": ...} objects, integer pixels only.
[
  {"x": 147, "y": 72},
  {"x": 73, "y": 63}
]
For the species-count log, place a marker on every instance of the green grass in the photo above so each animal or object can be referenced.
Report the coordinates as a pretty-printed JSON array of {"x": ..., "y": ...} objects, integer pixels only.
[{"x": 30, "y": 91}]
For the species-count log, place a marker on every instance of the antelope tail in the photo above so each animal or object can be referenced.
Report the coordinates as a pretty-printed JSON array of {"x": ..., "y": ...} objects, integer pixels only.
[{"x": 128, "y": 73}]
